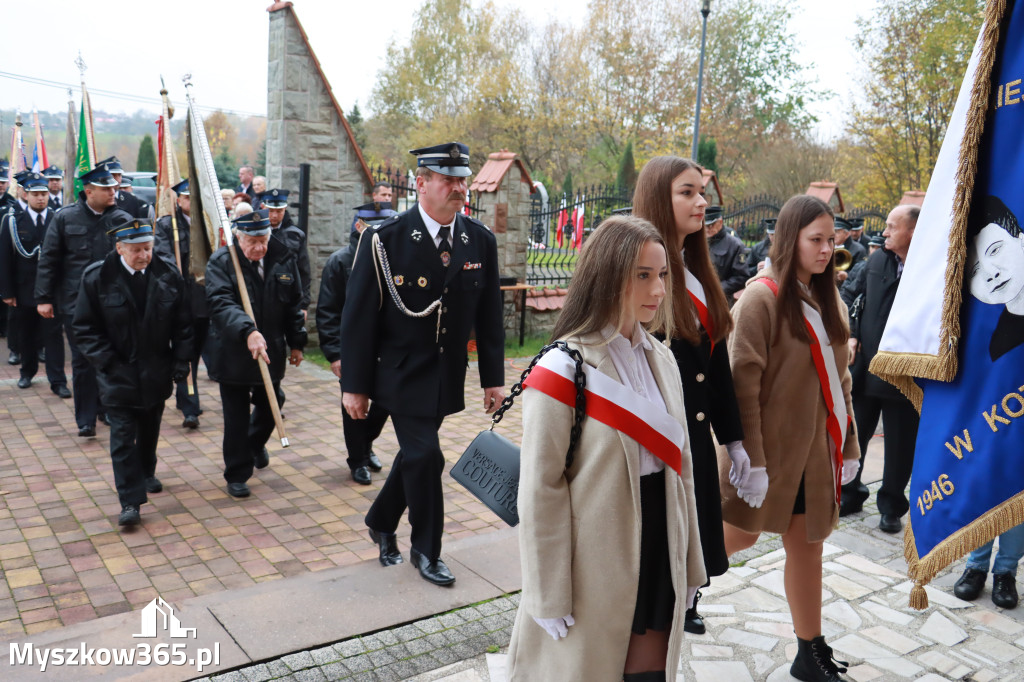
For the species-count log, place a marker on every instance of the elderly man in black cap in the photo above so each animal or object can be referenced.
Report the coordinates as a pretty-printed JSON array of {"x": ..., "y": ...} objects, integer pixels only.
[
  {"x": 728, "y": 253},
  {"x": 271, "y": 276},
  {"x": 275, "y": 205},
  {"x": 758, "y": 259},
  {"x": 359, "y": 434},
  {"x": 55, "y": 184},
  {"x": 133, "y": 324},
  {"x": 76, "y": 238},
  {"x": 179, "y": 259},
  {"x": 20, "y": 238},
  {"x": 126, "y": 201},
  {"x": 403, "y": 343}
]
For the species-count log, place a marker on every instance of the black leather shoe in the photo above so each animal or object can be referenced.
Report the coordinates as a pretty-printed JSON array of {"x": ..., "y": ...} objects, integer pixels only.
[
  {"x": 129, "y": 516},
  {"x": 849, "y": 506},
  {"x": 261, "y": 459},
  {"x": 970, "y": 584},
  {"x": 1004, "y": 590},
  {"x": 890, "y": 523},
  {"x": 191, "y": 422},
  {"x": 24, "y": 382},
  {"x": 388, "y": 543},
  {"x": 61, "y": 391},
  {"x": 102, "y": 417},
  {"x": 238, "y": 490},
  {"x": 361, "y": 475},
  {"x": 13, "y": 358},
  {"x": 432, "y": 571},
  {"x": 693, "y": 623},
  {"x": 153, "y": 485},
  {"x": 86, "y": 431},
  {"x": 374, "y": 464}
]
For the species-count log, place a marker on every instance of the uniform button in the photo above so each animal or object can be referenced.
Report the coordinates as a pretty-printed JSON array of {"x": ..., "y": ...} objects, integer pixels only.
[
  {"x": 700, "y": 378},
  {"x": 444, "y": 331},
  {"x": 444, "y": 309},
  {"x": 700, "y": 416},
  {"x": 446, "y": 290},
  {"x": 441, "y": 350}
]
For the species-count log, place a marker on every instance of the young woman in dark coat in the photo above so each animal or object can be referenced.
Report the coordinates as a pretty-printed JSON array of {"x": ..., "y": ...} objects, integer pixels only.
[{"x": 670, "y": 194}]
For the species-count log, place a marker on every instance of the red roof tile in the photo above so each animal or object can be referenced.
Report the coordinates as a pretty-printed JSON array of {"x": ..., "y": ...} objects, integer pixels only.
[
  {"x": 829, "y": 193},
  {"x": 492, "y": 173}
]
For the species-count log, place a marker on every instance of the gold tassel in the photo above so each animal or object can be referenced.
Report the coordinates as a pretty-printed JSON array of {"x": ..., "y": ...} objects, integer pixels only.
[{"x": 918, "y": 598}]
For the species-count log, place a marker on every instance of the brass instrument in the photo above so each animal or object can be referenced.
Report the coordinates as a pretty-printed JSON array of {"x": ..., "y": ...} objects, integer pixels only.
[{"x": 843, "y": 258}]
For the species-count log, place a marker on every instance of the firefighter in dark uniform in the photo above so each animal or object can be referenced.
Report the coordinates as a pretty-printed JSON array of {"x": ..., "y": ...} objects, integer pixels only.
[
  {"x": 727, "y": 253},
  {"x": 76, "y": 238},
  {"x": 845, "y": 239},
  {"x": 275, "y": 206},
  {"x": 55, "y": 183},
  {"x": 359, "y": 434},
  {"x": 126, "y": 201},
  {"x": 5, "y": 204},
  {"x": 758, "y": 259},
  {"x": 21, "y": 235},
  {"x": 857, "y": 233},
  {"x": 271, "y": 276},
  {"x": 404, "y": 342},
  {"x": 164, "y": 248},
  {"x": 16, "y": 206},
  {"x": 133, "y": 324}
]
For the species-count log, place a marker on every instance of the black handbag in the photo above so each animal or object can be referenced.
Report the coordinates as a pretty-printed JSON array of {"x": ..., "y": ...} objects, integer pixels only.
[{"x": 489, "y": 468}]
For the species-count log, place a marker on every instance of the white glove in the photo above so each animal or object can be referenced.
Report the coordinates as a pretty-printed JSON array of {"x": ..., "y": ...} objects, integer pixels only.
[
  {"x": 753, "y": 491},
  {"x": 690, "y": 593},
  {"x": 850, "y": 470},
  {"x": 740, "y": 469},
  {"x": 556, "y": 627}
]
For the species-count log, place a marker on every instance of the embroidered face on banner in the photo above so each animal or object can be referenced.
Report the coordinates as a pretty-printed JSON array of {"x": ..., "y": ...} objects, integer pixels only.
[{"x": 996, "y": 267}]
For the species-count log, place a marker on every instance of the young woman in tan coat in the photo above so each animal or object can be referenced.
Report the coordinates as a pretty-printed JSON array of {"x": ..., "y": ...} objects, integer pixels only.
[
  {"x": 610, "y": 547},
  {"x": 790, "y": 431}
]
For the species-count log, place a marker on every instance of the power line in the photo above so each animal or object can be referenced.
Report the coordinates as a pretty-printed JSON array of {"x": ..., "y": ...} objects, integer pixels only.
[{"x": 138, "y": 99}]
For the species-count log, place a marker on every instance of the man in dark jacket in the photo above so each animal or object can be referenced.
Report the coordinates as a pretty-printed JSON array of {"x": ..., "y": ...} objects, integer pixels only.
[
  {"x": 76, "y": 238},
  {"x": 371, "y": 214},
  {"x": 55, "y": 184},
  {"x": 133, "y": 324},
  {"x": 164, "y": 248},
  {"x": 728, "y": 253},
  {"x": 126, "y": 201},
  {"x": 274, "y": 203},
  {"x": 20, "y": 238},
  {"x": 758, "y": 259},
  {"x": 359, "y": 434},
  {"x": 873, "y": 396},
  {"x": 271, "y": 278},
  {"x": 414, "y": 364}
]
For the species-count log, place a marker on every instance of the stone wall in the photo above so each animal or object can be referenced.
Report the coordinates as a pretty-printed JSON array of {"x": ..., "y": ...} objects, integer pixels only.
[
  {"x": 306, "y": 125},
  {"x": 506, "y": 211}
]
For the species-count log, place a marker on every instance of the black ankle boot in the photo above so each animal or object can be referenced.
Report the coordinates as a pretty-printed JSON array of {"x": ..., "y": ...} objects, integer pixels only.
[
  {"x": 692, "y": 622},
  {"x": 814, "y": 662},
  {"x": 654, "y": 676}
]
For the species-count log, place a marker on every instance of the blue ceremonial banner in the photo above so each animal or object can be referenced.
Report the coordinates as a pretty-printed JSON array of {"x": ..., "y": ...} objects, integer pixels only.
[{"x": 967, "y": 362}]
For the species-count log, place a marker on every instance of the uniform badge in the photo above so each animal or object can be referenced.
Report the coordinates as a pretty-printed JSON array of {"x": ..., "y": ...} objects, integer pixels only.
[
  {"x": 422, "y": 281},
  {"x": 464, "y": 237},
  {"x": 446, "y": 258},
  {"x": 399, "y": 280},
  {"x": 417, "y": 235},
  {"x": 472, "y": 266}
]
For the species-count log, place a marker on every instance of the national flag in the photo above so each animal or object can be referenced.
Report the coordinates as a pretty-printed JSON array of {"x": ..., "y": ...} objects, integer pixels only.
[
  {"x": 570, "y": 233},
  {"x": 954, "y": 342},
  {"x": 578, "y": 225},
  {"x": 560, "y": 223},
  {"x": 39, "y": 160},
  {"x": 85, "y": 158}
]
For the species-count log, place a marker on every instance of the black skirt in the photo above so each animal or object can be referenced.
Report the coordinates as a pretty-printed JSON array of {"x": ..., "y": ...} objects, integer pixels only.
[
  {"x": 655, "y": 599},
  {"x": 800, "y": 503}
]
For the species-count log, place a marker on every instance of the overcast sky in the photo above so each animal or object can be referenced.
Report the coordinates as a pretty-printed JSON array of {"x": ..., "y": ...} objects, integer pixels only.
[{"x": 224, "y": 46}]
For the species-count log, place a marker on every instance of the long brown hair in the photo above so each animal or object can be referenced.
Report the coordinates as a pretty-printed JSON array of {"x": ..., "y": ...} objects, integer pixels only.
[
  {"x": 653, "y": 201},
  {"x": 797, "y": 213},
  {"x": 596, "y": 296}
]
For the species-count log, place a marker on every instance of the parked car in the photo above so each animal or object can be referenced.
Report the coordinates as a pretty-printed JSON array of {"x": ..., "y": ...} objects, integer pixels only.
[{"x": 144, "y": 186}]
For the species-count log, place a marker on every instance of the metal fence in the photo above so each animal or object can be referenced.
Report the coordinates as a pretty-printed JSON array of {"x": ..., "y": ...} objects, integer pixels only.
[{"x": 403, "y": 187}]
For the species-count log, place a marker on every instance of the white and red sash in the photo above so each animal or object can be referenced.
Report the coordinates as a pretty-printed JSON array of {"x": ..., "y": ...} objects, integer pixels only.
[
  {"x": 612, "y": 404},
  {"x": 700, "y": 301},
  {"x": 838, "y": 422}
]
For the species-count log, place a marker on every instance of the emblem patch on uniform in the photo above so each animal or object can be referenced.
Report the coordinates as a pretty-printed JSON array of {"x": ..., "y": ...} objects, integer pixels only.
[
  {"x": 742, "y": 259},
  {"x": 284, "y": 278},
  {"x": 472, "y": 266},
  {"x": 416, "y": 235},
  {"x": 399, "y": 280},
  {"x": 464, "y": 237},
  {"x": 446, "y": 258},
  {"x": 422, "y": 281}
]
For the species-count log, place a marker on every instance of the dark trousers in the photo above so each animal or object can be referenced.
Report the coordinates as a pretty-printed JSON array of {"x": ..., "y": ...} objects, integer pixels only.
[
  {"x": 245, "y": 434},
  {"x": 35, "y": 332},
  {"x": 189, "y": 404},
  {"x": 414, "y": 483},
  {"x": 360, "y": 434},
  {"x": 133, "y": 436},
  {"x": 900, "y": 421},
  {"x": 83, "y": 380},
  {"x": 10, "y": 327}
]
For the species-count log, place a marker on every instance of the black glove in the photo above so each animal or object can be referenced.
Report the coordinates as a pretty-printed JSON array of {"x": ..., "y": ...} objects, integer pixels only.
[{"x": 181, "y": 370}]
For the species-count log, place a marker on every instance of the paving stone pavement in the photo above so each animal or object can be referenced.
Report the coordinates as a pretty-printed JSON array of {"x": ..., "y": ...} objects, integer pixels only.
[
  {"x": 865, "y": 618},
  {"x": 64, "y": 561}
]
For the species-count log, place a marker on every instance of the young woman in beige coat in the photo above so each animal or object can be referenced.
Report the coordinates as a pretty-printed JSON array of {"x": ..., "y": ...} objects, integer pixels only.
[
  {"x": 792, "y": 487},
  {"x": 610, "y": 547}
]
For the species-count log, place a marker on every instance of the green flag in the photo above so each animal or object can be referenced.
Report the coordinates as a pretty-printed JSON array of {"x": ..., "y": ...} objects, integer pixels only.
[{"x": 82, "y": 164}]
